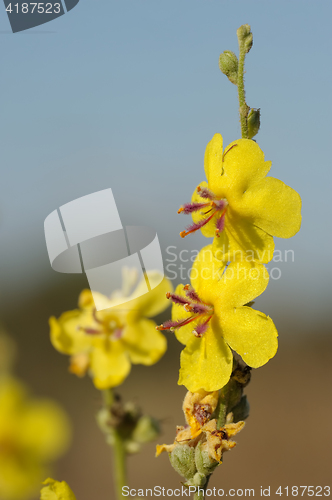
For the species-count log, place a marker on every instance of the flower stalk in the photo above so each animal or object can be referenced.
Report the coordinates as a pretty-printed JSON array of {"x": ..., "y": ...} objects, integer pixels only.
[
  {"x": 245, "y": 40},
  {"x": 119, "y": 453},
  {"x": 119, "y": 469}
]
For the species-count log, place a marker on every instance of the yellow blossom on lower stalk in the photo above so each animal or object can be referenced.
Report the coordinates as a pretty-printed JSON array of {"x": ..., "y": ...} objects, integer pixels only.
[
  {"x": 108, "y": 341},
  {"x": 33, "y": 433},
  {"x": 54, "y": 490},
  {"x": 211, "y": 317},
  {"x": 239, "y": 206}
]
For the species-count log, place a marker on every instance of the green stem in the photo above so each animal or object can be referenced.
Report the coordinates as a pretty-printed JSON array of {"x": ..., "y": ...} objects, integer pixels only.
[
  {"x": 241, "y": 93},
  {"x": 119, "y": 465},
  {"x": 119, "y": 452}
]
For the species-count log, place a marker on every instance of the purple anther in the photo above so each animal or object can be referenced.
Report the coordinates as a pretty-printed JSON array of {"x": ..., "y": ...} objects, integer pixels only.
[
  {"x": 206, "y": 193},
  {"x": 189, "y": 208},
  {"x": 220, "y": 224},
  {"x": 177, "y": 299}
]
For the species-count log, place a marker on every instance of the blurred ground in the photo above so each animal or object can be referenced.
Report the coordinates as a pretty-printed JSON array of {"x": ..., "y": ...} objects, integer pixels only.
[{"x": 286, "y": 442}]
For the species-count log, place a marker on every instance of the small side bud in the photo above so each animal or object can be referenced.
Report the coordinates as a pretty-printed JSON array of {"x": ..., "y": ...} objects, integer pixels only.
[
  {"x": 146, "y": 430},
  {"x": 254, "y": 122},
  {"x": 245, "y": 37},
  {"x": 241, "y": 410},
  {"x": 205, "y": 465},
  {"x": 228, "y": 64},
  {"x": 198, "y": 480},
  {"x": 182, "y": 459}
]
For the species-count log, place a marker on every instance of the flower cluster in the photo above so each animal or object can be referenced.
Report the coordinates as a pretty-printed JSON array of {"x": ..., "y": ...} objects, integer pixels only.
[
  {"x": 199, "y": 446},
  {"x": 242, "y": 210}
]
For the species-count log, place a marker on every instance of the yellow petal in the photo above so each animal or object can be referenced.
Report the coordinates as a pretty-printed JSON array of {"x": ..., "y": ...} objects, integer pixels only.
[
  {"x": 149, "y": 303},
  {"x": 79, "y": 364},
  {"x": 241, "y": 283},
  {"x": 164, "y": 447},
  {"x": 243, "y": 164},
  {"x": 251, "y": 334},
  {"x": 241, "y": 239},
  {"x": 110, "y": 364},
  {"x": 213, "y": 163},
  {"x": 66, "y": 335},
  {"x": 54, "y": 490},
  {"x": 206, "y": 269},
  {"x": 206, "y": 363},
  {"x": 273, "y": 206},
  {"x": 145, "y": 344},
  {"x": 45, "y": 429},
  {"x": 85, "y": 299},
  {"x": 234, "y": 428}
]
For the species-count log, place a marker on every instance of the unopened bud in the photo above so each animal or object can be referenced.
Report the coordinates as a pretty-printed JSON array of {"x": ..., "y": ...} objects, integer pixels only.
[
  {"x": 228, "y": 65},
  {"x": 241, "y": 410},
  {"x": 198, "y": 480},
  {"x": 205, "y": 465},
  {"x": 245, "y": 37},
  {"x": 254, "y": 122},
  {"x": 182, "y": 459},
  {"x": 146, "y": 430}
]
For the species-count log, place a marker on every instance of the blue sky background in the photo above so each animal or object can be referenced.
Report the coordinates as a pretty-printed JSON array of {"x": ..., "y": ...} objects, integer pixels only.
[{"x": 127, "y": 95}]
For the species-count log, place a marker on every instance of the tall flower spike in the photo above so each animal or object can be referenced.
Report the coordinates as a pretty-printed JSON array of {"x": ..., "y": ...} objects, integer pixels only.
[{"x": 239, "y": 206}]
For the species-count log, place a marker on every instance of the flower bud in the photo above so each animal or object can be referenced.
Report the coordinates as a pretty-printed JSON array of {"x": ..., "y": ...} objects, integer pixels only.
[
  {"x": 228, "y": 65},
  {"x": 146, "y": 430},
  {"x": 182, "y": 459},
  {"x": 245, "y": 37},
  {"x": 198, "y": 480},
  {"x": 253, "y": 122},
  {"x": 241, "y": 410},
  {"x": 205, "y": 465}
]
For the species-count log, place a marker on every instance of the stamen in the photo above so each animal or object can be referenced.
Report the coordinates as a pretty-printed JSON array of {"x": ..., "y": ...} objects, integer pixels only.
[
  {"x": 191, "y": 294},
  {"x": 201, "y": 328},
  {"x": 220, "y": 224},
  {"x": 89, "y": 331},
  {"x": 205, "y": 193},
  {"x": 195, "y": 226},
  {"x": 197, "y": 308},
  {"x": 172, "y": 325},
  {"x": 177, "y": 299},
  {"x": 117, "y": 334},
  {"x": 192, "y": 304},
  {"x": 189, "y": 208}
]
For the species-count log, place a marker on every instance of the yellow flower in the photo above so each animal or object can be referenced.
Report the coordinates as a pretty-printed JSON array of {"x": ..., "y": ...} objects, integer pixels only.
[
  {"x": 33, "y": 433},
  {"x": 54, "y": 490},
  {"x": 210, "y": 318},
  {"x": 239, "y": 206},
  {"x": 106, "y": 342}
]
